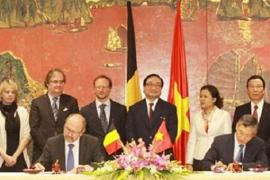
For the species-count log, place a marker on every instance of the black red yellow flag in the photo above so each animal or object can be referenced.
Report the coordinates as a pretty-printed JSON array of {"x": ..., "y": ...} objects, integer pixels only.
[{"x": 133, "y": 92}]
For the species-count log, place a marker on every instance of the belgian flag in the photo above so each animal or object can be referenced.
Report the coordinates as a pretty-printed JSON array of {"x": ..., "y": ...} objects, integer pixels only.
[
  {"x": 112, "y": 141},
  {"x": 133, "y": 92}
]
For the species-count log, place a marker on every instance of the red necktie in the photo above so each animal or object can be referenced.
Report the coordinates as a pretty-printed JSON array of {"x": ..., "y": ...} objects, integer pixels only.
[
  {"x": 151, "y": 110},
  {"x": 255, "y": 113}
]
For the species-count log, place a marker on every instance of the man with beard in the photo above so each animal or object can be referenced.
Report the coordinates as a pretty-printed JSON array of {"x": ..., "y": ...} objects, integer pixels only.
[
  {"x": 72, "y": 149},
  {"x": 104, "y": 114},
  {"x": 49, "y": 111}
]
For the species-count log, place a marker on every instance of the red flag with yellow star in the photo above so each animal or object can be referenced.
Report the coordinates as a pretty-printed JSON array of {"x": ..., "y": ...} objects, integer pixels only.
[
  {"x": 178, "y": 91},
  {"x": 162, "y": 140}
]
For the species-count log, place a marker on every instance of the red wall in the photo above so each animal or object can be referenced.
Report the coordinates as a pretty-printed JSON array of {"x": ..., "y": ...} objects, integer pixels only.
[{"x": 82, "y": 55}]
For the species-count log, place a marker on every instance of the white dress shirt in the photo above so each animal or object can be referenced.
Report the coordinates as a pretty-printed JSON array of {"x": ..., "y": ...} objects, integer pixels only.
[
  {"x": 148, "y": 106},
  {"x": 75, "y": 150},
  {"x": 57, "y": 102},
  {"x": 237, "y": 148}
]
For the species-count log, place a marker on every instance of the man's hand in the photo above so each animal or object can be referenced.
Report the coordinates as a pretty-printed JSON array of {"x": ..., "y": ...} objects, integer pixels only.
[
  {"x": 81, "y": 168},
  {"x": 219, "y": 165},
  {"x": 189, "y": 167},
  {"x": 38, "y": 166},
  {"x": 10, "y": 160},
  {"x": 230, "y": 167}
]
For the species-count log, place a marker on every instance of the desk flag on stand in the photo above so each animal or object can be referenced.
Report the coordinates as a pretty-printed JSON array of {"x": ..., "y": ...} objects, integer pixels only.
[
  {"x": 133, "y": 92},
  {"x": 178, "y": 90},
  {"x": 162, "y": 140},
  {"x": 112, "y": 141}
]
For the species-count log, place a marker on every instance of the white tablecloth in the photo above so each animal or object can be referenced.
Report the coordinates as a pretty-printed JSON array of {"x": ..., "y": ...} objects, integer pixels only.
[
  {"x": 194, "y": 176},
  {"x": 43, "y": 176},
  {"x": 229, "y": 176}
]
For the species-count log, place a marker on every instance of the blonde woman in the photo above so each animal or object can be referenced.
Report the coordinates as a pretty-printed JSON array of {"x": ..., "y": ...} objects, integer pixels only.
[
  {"x": 209, "y": 122},
  {"x": 14, "y": 130}
]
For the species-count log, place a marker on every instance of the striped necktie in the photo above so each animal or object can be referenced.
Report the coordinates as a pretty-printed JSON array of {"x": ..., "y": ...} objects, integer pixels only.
[
  {"x": 103, "y": 118},
  {"x": 240, "y": 155},
  {"x": 55, "y": 108}
]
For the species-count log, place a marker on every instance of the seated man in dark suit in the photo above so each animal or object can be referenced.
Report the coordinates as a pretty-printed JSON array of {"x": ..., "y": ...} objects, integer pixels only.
[
  {"x": 242, "y": 146},
  {"x": 72, "y": 149}
]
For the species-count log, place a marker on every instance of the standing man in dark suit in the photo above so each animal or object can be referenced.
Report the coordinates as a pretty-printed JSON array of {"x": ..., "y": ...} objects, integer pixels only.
[
  {"x": 49, "y": 111},
  {"x": 259, "y": 108},
  {"x": 144, "y": 117},
  {"x": 72, "y": 149},
  {"x": 115, "y": 113},
  {"x": 243, "y": 146}
]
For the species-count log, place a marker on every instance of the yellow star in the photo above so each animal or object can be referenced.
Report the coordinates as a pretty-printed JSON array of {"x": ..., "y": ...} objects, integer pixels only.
[
  {"x": 159, "y": 136},
  {"x": 182, "y": 109}
]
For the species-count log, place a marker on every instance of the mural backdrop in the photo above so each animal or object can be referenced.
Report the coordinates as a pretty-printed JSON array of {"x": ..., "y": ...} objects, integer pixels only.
[{"x": 226, "y": 42}]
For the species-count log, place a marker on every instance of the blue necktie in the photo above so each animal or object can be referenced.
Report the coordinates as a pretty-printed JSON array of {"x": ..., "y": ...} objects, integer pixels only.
[
  {"x": 70, "y": 158},
  {"x": 240, "y": 155}
]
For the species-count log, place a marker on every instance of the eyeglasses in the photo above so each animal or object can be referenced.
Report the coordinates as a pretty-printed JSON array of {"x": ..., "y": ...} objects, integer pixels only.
[
  {"x": 57, "y": 81},
  {"x": 153, "y": 85},
  {"x": 102, "y": 87}
]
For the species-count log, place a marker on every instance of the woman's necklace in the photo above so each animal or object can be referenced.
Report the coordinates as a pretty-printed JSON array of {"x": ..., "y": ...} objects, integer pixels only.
[{"x": 207, "y": 117}]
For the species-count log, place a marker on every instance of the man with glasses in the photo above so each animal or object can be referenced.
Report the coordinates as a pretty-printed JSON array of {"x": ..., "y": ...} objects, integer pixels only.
[
  {"x": 49, "y": 111},
  {"x": 257, "y": 107},
  {"x": 72, "y": 149},
  {"x": 145, "y": 117},
  {"x": 104, "y": 114},
  {"x": 240, "y": 147}
]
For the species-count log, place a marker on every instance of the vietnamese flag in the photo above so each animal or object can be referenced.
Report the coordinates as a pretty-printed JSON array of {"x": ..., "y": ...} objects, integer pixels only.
[
  {"x": 162, "y": 140},
  {"x": 178, "y": 90},
  {"x": 112, "y": 141}
]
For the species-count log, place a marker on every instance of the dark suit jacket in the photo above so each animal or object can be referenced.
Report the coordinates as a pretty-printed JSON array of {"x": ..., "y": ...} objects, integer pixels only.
[
  {"x": 222, "y": 149},
  {"x": 54, "y": 149},
  {"x": 42, "y": 122},
  {"x": 93, "y": 123},
  {"x": 264, "y": 122},
  {"x": 138, "y": 124}
]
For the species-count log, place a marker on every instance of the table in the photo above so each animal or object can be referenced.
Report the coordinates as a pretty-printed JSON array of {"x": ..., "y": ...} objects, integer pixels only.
[
  {"x": 228, "y": 176},
  {"x": 43, "y": 176},
  {"x": 195, "y": 176}
]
